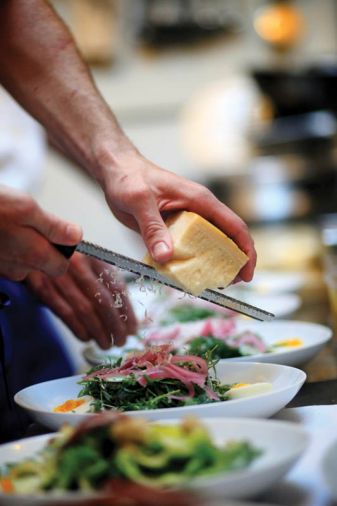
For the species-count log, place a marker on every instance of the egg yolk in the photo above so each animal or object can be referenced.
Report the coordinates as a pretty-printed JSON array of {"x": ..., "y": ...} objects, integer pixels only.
[
  {"x": 239, "y": 385},
  {"x": 290, "y": 342},
  {"x": 68, "y": 405}
]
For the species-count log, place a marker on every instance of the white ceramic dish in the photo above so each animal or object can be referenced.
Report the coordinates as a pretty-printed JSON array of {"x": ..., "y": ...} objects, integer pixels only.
[
  {"x": 313, "y": 336},
  {"x": 282, "y": 444},
  {"x": 39, "y": 400}
]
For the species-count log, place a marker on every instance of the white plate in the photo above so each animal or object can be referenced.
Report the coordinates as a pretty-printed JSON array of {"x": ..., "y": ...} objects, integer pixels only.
[
  {"x": 39, "y": 400},
  {"x": 282, "y": 444},
  {"x": 313, "y": 335}
]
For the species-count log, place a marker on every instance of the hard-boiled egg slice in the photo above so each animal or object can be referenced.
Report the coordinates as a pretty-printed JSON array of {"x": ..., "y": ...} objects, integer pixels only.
[
  {"x": 74, "y": 405},
  {"x": 241, "y": 390}
]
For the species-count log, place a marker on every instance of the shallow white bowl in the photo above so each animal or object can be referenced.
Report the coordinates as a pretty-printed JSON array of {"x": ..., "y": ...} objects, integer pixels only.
[
  {"x": 39, "y": 400},
  {"x": 282, "y": 444},
  {"x": 313, "y": 336}
]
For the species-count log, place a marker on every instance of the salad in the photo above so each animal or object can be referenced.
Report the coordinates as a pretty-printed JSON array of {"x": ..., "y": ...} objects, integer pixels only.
[
  {"x": 212, "y": 335},
  {"x": 112, "y": 447},
  {"x": 217, "y": 337},
  {"x": 153, "y": 379}
]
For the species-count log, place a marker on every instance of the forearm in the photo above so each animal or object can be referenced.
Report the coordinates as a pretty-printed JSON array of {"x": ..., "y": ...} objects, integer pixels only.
[{"x": 41, "y": 68}]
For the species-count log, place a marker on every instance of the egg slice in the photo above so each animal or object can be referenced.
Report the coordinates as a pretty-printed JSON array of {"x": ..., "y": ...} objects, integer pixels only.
[
  {"x": 241, "y": 390},
  {"x": 75, "y": 405}
]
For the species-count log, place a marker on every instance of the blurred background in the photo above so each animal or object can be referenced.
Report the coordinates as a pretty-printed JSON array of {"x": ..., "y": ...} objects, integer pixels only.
[
  {"x": 240, "y": 95},
  {"x": 237, "y": 94}
]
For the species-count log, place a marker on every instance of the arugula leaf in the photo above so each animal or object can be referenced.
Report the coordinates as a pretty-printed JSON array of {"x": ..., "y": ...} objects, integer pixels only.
[{"x": 202, "y": 345}]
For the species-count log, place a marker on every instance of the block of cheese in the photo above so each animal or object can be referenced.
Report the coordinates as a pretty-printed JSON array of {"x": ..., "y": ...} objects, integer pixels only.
[{"x": 204, "y": 257}]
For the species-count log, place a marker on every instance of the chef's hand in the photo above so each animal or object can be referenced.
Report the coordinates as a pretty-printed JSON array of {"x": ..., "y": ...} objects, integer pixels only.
[
  {"x": 139, "y": 194},
  {"x": 26, "y": 232},
  {"x": 90, "y": 300}
]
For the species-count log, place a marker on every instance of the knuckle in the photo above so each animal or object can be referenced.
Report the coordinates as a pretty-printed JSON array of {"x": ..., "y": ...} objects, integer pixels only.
[
  {"x": 84, "y": 308},
  {"x": 138, "y": 194},
  {"x": 27, "y": 205},
  {"x": 39, "y": 257},
  {"x": 201, "y": 192},
  {"x": 66, "y": 313},
  {"x": 42, "y": 286},
  {"x": 153, "y": 227},
  {"x": 17, "y": 274}
]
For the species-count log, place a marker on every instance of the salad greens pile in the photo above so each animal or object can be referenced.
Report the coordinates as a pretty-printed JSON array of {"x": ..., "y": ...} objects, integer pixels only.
[
  {"x": 153, "y": 379},
  {"x": 127, "y": 394},
  {"x": 219, "y": 348},
  {"x": 109, "y": 447}
]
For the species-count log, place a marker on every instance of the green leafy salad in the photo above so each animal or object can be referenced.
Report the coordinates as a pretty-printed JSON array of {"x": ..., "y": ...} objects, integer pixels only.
[
  {"x": 109, "y": 447},
  {"x": 152, "y": 379},
  {"x": 216, "y": 337}
]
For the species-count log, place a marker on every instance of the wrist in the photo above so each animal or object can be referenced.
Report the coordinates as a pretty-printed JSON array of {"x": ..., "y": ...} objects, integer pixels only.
[{"x": 114, "y": 159}]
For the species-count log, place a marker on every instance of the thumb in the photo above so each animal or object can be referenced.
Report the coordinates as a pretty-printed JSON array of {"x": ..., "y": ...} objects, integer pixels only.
[
  {"x": 55, "y": 229},
  {"x": 155, "y": 233}
]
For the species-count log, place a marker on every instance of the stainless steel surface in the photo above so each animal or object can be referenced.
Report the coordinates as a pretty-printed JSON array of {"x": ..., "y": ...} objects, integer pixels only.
[{"x": 141, "y": 269}]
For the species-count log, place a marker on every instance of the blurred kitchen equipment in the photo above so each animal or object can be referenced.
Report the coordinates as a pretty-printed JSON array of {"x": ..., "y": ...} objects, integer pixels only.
[
  {"x": 171, "y": 22},
  {"x": 279, "y": 24},
  {"x": 95, "y": 26},
  {"x": 293, "y": 175},
  {"x": 301, "y": 90}
]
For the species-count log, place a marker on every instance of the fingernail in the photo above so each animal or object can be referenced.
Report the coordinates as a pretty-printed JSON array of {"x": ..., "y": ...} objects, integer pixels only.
[
  {"x": 73, "y": 232},
  {"x": 160, "y": 249}
]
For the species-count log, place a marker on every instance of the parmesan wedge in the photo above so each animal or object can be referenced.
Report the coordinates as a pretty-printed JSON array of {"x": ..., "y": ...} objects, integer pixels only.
[{"x": 204, "y": 257}]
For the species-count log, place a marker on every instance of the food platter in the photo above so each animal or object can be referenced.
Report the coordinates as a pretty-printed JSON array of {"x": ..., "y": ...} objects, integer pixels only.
[
  {"x": 39, "y": 400},
  {"x": 281, "y": 445}
]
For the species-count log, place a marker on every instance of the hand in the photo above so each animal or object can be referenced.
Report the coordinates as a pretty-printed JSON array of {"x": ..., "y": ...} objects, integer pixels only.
[
  {"x": 26, "y": 232},
  {"x": 89, "y": 299},
  {"x": 139, "y": 194}
]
